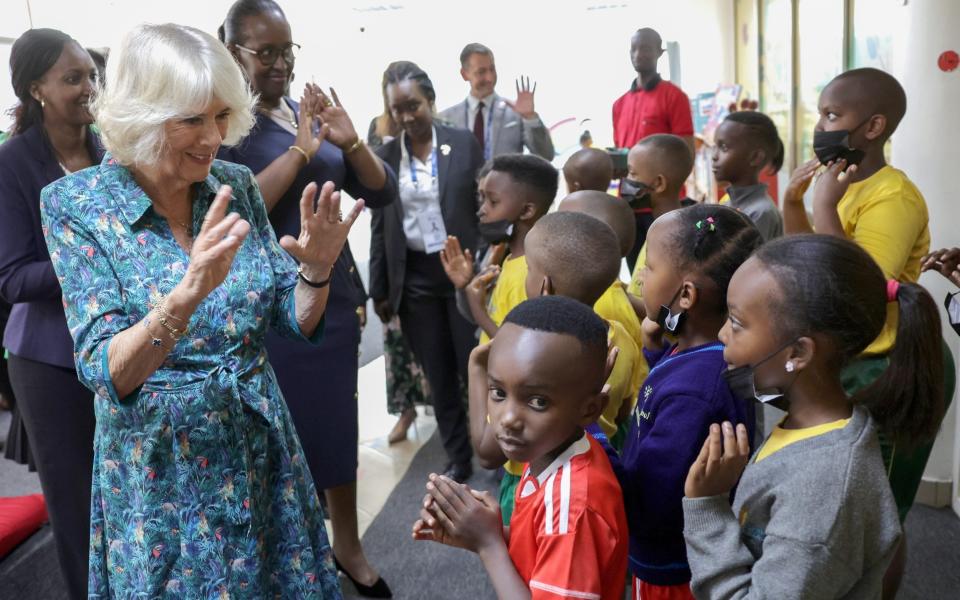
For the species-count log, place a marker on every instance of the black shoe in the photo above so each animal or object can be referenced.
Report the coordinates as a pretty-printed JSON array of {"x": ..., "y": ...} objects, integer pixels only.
[
  {"x": 379, "y": 589},
  {"x": 459, "y": 472}
]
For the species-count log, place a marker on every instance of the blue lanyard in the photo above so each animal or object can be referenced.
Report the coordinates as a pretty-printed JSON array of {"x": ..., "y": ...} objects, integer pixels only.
[
  {"x": 433, "y": 159},
  {"x": 487, "y": 150}
]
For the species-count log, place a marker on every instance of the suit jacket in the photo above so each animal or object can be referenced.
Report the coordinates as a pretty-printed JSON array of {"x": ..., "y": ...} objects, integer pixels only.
[
  {"x": 457, "y": 185},
  {"x": 37, "y": 328},
  {"x": 510, "y": 134}
]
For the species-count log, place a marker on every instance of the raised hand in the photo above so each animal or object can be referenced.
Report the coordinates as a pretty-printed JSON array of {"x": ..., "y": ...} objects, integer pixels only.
[
  {"x": 330, "y": 111},
  {"x": 720, "y": 463},
  {"x": 523, "y": 105},
  {"x": 457, "y": 263},
  {"x": 945, "y": 261},
  {"x": 477, "y": 289},
  {"x": 307, "y": 138},
  {"x": 800, "y": 180},
  {"x": 322, "y": 232},
  {"x": 832, "y": 185},
  {"x": 215, "y": 246}
]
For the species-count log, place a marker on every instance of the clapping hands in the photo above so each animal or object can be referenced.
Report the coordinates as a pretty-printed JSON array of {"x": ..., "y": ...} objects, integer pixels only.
[{"x": 456, "y": 515}]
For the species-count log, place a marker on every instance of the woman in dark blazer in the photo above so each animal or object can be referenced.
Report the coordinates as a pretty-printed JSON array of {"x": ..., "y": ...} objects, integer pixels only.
[
  {"x": 53, "y": 77},
  {"x": 436, "y": 168}
]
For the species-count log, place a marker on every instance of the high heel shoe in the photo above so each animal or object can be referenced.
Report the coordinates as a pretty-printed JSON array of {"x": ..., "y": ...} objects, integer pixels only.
[
  {"x": 399, "y": 431},
  {"x": 379, "y": 589}
]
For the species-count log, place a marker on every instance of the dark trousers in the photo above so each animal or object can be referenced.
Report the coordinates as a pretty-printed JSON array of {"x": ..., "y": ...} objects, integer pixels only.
[
  {"x": 644, "y": 221},
  {"x": 58, "y": 413},
  {"x": 441, "y": 341}
]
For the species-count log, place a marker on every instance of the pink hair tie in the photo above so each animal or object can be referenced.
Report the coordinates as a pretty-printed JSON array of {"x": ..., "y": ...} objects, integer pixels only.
[{"x": 893, "y": 286}]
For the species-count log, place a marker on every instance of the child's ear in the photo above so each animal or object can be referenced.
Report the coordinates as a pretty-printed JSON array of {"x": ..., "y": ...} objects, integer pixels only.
[
  {"x": 546, "y": 286},
  {"x": 594, "y": 406},
  {"x": 878, "y": 124},
  {"x": 689, "y": 295},
  {"x": 802, "y": 353},
  {"x": 529, "y": 211},
  {"x": 659, "y": 184},
  {"x": 758, "y": 158}
]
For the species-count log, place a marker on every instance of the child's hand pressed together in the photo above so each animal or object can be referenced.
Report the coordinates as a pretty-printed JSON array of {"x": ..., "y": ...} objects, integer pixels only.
[
  {"x": 720, "y": 463},
  {"x": 457, "y": 263},
  {"x": 456, "y": 515}
]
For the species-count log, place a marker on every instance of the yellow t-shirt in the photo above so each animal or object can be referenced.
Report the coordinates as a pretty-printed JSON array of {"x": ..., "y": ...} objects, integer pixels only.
[
  {"x": 628, "y": 374},
  {"x": 614, "y": 305},
  {"x": 780, "y": 438},
  {"x": 635, "y": 287},
  {"x": 886, "y": 215},
  {"x": 509, "y": 291}
]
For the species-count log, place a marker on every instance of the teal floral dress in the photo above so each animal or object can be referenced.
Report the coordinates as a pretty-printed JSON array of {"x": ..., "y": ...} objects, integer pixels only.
[{"x": 200, "y": 488}]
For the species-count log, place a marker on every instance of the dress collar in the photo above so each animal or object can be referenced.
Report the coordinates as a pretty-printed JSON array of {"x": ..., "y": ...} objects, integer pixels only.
[{"x": 650, "y": 86}]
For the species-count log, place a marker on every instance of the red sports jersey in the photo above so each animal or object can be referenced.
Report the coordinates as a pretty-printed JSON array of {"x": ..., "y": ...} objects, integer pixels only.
[
  {"x": 568, "y": 534},
  {"x": 660, "y": 107}
]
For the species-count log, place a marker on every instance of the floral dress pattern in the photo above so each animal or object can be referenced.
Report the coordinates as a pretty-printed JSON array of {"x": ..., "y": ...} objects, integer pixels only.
[{"x": 200, "y": 488}]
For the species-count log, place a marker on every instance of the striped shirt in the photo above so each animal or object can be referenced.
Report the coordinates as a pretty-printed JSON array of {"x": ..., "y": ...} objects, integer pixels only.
[{"x": 568, "y": 534}]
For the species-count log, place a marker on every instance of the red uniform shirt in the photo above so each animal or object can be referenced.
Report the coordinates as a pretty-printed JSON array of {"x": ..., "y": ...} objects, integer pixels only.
[
  {"x": 568, "y": 533},
  {"x": 660, "y": 107}
]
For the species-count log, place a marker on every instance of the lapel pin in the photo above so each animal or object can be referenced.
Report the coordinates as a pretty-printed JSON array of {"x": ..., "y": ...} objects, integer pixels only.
[{"x": 445, "y": 149}]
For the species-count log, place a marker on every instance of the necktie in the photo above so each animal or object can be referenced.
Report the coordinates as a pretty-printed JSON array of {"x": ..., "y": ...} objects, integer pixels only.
[{"x": 478, "y": 125}]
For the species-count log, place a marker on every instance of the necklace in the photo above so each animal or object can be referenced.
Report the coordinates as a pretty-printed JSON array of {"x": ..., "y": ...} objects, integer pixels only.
[
  {"x": 187, "y": 228},
  {"x": 283, "y": 113}
]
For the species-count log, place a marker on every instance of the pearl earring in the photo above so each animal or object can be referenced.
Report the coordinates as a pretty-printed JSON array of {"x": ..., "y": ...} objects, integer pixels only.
[
  {"x": 43, "y": 103},
  {"x": 790, "y": 366}
]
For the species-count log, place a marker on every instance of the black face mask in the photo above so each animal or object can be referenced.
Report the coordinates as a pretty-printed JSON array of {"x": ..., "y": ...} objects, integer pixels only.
[
  {"x": 952, "y": 304},
  {"x": 831, "y": 146},
  {"x": 496, "y": 232},
  {"x": 668, "y": 319},
  {"x": 636, "y": 193},
  {"x": 744, "y": 386}
]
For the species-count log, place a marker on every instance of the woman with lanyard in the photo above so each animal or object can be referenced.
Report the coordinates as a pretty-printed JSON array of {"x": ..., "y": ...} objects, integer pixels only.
[
  {"x": 437, "y": 167},
  {"x": 291, "y": 145},
  {"x": 54, "y": 79}
]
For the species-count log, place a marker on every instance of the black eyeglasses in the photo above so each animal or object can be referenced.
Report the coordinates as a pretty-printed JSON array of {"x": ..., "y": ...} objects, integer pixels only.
[{"x": 269, "y": 54}]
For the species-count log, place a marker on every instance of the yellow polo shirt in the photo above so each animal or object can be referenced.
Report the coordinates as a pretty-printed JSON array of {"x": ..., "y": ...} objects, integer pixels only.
[
  {"x": 628, "y": 374},
  {"x": 887, "y": 216},
  {"x": 614, "y": 305},
  {"x": 635, "y": 287},
  {"x": 509, "y": 291}
]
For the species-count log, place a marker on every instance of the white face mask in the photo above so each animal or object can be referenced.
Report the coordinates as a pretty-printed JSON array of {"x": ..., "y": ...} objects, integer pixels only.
[{"x": 952, "y": 304}]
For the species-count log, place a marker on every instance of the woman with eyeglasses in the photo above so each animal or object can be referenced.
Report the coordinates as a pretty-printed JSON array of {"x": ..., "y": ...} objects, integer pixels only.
[{"x": 290, "y": 145}]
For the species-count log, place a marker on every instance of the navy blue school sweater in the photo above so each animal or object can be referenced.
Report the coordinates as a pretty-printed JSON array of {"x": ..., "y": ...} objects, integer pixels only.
[{"x": 683, "y": 394}]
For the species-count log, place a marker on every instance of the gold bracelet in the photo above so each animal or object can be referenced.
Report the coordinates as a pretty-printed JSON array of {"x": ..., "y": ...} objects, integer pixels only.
[
  {"x": 165, "y": 319},
  {"x": 303, "y": 153},
  {"x": 154, "y": 340},
  {"x": 356, "y": 146}
]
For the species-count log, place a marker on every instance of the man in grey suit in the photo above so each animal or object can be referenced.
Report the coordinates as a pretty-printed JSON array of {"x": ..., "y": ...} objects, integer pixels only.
[{"x": 500, "y": 126}]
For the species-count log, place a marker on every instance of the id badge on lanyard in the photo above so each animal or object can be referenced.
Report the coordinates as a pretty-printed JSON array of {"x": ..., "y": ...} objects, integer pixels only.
[{"x": 429, "y": 219}]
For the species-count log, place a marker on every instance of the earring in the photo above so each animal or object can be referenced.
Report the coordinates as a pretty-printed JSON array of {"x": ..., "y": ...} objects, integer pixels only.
[
  {"x": 790, "y": 367},
  {"x": 43, "y": 103}
]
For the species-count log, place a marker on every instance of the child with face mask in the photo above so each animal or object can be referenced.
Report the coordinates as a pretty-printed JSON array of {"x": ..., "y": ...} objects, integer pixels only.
[
  {"x": 515, "y": 191},
  {"x": 859, "y": 197},
  {"x": 812, "y": 516},
  {"x": 691, "y": 255}
]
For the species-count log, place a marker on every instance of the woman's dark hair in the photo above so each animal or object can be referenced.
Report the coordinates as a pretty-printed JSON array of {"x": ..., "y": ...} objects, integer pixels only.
[
  {"x": 762, "y": 129},
  {"x": 404, "y": 70},
  {"x": 385, "y": 125},
  {"x": 229, "y": 31},
  {"x": 714, "y": 240},
  {"x": 31, "y": 57},
  {"x": 833, "y": 287}
]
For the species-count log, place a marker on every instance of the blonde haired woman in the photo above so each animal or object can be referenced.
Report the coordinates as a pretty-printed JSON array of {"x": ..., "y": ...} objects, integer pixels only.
[{"x": 199, "y": 483}]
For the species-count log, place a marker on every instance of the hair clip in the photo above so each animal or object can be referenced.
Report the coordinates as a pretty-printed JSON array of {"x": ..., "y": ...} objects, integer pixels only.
[{"x": 709, "y": 222}]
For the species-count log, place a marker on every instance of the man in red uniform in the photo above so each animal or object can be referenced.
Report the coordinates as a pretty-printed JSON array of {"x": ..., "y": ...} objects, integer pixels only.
[{"x": 650, "y": 106}]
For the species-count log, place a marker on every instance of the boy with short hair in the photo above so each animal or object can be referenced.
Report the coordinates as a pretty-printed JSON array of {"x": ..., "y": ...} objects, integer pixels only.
[
  {"x": 515, "y": 191},
  {"x": 588, "y": 169},
  {"x": 657, "y": 168},
  {"x": 542, "y": 382}
]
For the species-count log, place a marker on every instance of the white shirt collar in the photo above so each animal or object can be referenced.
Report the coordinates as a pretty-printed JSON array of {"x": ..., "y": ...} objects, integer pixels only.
[
  {"x": 473, "y": 101},
  {"x": 581, "y": 446}
]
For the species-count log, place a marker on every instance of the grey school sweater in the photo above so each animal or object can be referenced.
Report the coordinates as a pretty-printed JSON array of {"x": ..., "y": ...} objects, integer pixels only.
[
  {"x": 753, "y": 201},
  {"x": 815, "y": 519}
]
